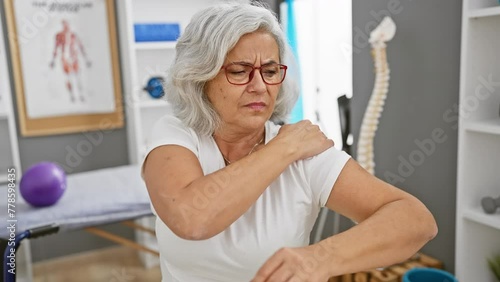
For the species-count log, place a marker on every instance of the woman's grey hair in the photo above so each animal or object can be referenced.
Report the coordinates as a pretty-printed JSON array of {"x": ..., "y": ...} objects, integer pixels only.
[{"x": 201, "y": 52}]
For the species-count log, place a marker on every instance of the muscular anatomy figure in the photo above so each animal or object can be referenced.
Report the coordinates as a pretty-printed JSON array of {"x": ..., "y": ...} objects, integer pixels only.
[{"x": 69, "y": 47}]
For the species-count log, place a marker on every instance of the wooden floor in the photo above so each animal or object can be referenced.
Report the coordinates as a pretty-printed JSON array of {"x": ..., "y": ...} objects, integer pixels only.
[{"x": 115, "y": 264}]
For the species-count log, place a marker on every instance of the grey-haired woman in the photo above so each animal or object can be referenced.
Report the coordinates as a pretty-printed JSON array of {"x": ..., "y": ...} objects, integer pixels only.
[{"x": 236, "y": 195}]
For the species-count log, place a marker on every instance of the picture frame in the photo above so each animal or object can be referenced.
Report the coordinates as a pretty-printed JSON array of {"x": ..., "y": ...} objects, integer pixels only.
[
  {"x": 65, "y": 64},
  {"x": 4, "y": 76}
]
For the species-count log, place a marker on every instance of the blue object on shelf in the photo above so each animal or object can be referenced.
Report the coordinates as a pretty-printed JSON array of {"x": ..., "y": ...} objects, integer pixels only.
[
  {"x": 155, "y": 87},
  {"x": 422, "y": 274},
  {"x": 147, "y": 32}
]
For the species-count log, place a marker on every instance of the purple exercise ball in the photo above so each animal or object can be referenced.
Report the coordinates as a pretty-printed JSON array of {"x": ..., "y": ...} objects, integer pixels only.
[{"x": 43, "y": 184}]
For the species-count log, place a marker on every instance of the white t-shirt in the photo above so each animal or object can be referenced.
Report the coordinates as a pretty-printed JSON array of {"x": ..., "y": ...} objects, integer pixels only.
[{"x": 283, "y": 216}]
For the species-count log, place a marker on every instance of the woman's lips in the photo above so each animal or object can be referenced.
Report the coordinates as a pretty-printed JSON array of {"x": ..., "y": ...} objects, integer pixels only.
[{"x": 256, "y": 105}]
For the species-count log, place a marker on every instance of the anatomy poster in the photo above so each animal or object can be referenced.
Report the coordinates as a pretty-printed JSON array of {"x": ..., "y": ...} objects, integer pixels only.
[{"x": 66, "y": 63}]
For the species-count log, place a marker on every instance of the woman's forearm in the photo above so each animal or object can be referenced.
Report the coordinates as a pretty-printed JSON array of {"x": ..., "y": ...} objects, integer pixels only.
[{"x": 391, "y": 235}]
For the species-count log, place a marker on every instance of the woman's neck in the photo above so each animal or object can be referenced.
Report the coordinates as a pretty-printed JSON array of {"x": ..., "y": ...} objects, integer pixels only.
[{"x": 237, "y": 146}]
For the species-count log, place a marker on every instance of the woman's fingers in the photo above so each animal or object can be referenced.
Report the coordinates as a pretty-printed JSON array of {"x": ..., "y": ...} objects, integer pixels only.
[
  {"x": 271, "y": 265},
  {"x": 283, "y": 273},
  {"x": 290, "y": 265}
]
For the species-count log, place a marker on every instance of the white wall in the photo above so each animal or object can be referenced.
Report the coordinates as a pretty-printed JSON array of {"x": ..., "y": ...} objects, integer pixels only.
[{"x": 324, "y": 35}]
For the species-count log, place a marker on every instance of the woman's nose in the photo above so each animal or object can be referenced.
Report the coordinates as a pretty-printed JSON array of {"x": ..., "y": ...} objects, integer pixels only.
[{"x": 257, "y": 84}]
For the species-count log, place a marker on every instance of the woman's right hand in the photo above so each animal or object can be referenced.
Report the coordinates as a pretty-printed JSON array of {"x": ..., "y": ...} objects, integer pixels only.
[{"x": 304, "y": 139}]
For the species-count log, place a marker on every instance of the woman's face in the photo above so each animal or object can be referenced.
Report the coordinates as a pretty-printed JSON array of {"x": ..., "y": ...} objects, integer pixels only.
[{"x": 250, "y": 105}]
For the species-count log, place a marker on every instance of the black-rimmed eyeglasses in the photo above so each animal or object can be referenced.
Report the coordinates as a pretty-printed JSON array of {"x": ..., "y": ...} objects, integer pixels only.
[{"x": 241, "y": 74}]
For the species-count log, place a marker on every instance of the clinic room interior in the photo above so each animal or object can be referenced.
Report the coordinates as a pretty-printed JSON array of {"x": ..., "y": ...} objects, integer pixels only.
[{"x": 127, "y": 128}]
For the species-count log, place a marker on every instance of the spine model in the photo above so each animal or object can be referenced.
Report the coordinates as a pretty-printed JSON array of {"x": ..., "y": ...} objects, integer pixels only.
[{"x": 379, "y": 36}]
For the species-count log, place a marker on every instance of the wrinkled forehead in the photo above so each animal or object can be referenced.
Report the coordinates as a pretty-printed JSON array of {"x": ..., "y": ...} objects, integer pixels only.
[{"x": 255, "y": 47}]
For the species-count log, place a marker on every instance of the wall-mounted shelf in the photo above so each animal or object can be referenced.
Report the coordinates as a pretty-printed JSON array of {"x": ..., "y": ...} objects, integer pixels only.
[
  {"x": 153, "y": 103},
  {"x": 491, "y": 126},
  {"x": 477, "y": 215},
  {"x": 168, "y": 45},
  {"x": 485, "y": 12}
]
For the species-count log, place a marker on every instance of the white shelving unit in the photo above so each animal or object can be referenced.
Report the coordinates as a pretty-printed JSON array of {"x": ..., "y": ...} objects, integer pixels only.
[
  {"x": 141, "y": 61},
  {"x": 154, "y": 45},
  {"x": 9, "y": 151},
  {"x": 478, "y": 233}
]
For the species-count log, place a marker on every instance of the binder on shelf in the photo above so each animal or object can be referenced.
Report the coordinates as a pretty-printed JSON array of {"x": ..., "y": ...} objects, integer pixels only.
[{"x": 154, "y": 32}]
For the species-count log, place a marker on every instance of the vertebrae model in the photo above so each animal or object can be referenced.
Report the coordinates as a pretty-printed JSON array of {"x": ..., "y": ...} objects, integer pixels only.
[{"x": 379, "y": 36}]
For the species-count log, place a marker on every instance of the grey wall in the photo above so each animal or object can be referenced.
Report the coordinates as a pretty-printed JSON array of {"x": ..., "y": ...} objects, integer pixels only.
[
  {"x": 424, "y": 59},
  {"x": 70, "y": 152}
]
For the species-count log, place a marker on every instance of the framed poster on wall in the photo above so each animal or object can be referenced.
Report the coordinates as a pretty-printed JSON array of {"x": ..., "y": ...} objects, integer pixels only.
[
  {"x": 65, "y": 65},
  {"x": 4, "y": 75}
]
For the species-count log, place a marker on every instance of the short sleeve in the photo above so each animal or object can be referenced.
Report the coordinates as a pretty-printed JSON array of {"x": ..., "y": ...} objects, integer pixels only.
[
  {"x": 169, "y": 130},
  {"x": 322, "y": 172}
]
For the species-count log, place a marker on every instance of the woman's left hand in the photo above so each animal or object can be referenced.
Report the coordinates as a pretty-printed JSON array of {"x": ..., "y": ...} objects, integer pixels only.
[{"x": 308, "y": 263}]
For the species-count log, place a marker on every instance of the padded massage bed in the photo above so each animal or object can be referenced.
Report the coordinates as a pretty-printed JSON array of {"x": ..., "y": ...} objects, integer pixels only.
[{"x": 91, "y": 199}]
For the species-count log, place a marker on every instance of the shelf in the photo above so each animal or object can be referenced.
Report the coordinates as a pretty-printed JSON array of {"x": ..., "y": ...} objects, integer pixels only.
[
  {"x": 478, "y": 158},
  {"x": 486, "y": 12},
  {"x": 163, "y": 45},
  {"x": 491, "y": 126},
  {"x": 479, "y": 216},
  {"x": 153, "y": 103}
]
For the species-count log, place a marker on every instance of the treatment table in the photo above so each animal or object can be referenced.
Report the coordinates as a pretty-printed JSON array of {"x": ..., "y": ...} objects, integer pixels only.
[{"x": 91, "y": 199}]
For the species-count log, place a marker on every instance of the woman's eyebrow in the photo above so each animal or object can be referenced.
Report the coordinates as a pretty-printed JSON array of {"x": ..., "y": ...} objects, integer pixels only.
[
  {"x": 270, "y": 62},
  {"x": 242, "y": 63}
]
